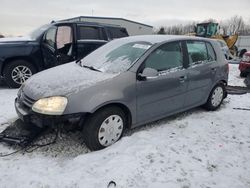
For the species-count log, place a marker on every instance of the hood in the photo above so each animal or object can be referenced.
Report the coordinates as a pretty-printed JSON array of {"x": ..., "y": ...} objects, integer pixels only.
[
  {"x": 62, "y": 81},
  {"x": 15, "y": 39}
]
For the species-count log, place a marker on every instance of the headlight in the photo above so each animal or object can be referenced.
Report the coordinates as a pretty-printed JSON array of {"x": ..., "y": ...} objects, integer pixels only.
[{"x": 50, "y": 105}]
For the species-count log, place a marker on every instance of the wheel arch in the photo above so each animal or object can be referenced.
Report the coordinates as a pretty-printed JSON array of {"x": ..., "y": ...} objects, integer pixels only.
[
  {"x": 224, "y": 82},
  {"x": 122, "y": 106},
  {"x": 24, "y": 58}
]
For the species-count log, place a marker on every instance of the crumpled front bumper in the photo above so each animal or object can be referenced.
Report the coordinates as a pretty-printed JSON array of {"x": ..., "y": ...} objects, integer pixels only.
[{"x": 26, "y": 114}]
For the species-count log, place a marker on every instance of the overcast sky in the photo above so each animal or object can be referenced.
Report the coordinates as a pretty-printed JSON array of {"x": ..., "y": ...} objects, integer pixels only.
[{"x": 19, "y": 17}]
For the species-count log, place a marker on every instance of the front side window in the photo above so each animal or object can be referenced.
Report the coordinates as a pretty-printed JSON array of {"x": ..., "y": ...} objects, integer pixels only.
[
  {"x": 50, "y": 37},
  {"x": 166, "y": 57}
]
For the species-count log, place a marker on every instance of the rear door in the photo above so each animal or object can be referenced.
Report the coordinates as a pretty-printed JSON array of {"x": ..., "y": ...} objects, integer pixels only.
[
  {"x": 164, "y": 94},
  {"x": 89, "y": 38},
  {"x": 201, "y": 71}
]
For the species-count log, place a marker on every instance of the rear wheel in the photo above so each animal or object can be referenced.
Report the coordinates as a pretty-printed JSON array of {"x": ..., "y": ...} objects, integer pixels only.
[
  {"x": 104, "y": 128},
  {"x": 216, "y": 97},
  {"x": 243, "y": 74},
  {"x": 17, "y": 72}
]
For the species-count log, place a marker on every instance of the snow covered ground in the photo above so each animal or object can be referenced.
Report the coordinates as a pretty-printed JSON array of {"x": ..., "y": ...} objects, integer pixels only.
[{"x": 192, "y": 149}]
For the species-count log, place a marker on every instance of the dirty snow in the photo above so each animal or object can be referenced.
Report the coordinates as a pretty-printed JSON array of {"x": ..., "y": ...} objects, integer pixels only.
[
  {"x": 192, "y": 149},
  {"x": 234, "y": 78}
]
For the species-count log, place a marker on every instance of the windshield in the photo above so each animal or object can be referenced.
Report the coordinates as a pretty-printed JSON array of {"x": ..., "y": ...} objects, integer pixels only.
[
  {"x": 207, "y": 30},
  {"x": 37, "y": 32},
  {"x": 116, "y": 56}
]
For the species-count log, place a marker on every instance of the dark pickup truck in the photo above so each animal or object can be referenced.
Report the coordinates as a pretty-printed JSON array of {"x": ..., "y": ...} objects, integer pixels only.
[{"x": 51, "y": 45}]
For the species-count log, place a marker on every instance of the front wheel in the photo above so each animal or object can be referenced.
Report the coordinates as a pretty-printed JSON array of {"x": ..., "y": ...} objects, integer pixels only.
[
  {"x": 17, "y": 72},
  {"x": 104, "y": 128},
  {"x": 216, "y": 97}
]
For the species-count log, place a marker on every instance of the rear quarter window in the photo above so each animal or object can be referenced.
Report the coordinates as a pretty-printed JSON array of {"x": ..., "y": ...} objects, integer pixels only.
[
  {"x": 117, "y": 32},
  {"x": 211, "y": 52}
]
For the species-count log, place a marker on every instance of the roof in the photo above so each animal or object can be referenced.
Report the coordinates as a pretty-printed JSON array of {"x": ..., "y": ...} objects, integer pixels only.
[
  {"x": 106, "y": 18},
  {"x": 153, "y": 39},
  {"x": 85, "y": 23}
]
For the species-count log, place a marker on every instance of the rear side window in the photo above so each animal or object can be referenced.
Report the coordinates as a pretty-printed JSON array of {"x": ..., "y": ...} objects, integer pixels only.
[
  {"x": 117, "y": 32},
  {"x": 200, "y": 52},
  {"x": 197, "y": 52},
  {"x": 86, "y": 32}
]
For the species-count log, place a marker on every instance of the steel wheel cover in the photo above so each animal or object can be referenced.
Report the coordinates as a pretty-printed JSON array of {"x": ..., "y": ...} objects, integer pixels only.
[
  {"x": 217, "y": 96},
  {"x": 20, "y": 74},
  {"x": 110, "y": 130}
]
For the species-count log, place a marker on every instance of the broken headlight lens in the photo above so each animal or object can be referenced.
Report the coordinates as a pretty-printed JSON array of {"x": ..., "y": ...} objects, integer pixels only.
[{"x": 51, "y": 105}]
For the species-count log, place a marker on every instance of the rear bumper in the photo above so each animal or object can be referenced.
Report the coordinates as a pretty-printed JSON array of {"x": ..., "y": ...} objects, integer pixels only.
[{"x": 41, "y": 120}]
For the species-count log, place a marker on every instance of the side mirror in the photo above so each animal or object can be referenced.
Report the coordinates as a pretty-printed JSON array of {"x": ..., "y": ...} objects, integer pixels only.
[{"x": 148, "y": 73}]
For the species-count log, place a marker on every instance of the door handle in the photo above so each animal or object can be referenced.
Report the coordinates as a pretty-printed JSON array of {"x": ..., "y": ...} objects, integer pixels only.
[
  {"x": 213, "y": 70},
  {"x": 182, "y": 78}
]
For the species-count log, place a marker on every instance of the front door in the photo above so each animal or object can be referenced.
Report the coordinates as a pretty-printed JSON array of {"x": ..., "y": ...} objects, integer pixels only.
[
  {"x": 49, "y": 48},
  {"x": 164, "y": 94},
  {"x": 57, "y": 46}
]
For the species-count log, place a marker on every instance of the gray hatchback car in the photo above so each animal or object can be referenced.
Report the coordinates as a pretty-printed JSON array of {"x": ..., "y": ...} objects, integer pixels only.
[{"x": 126, "y": 83}]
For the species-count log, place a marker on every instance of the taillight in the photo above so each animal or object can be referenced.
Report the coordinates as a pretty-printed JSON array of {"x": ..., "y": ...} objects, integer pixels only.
[{"x": 246, "y": 58}]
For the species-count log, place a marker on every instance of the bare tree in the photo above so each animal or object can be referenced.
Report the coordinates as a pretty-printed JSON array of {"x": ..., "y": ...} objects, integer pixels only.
[
  {"x": 233, "y": 25},
  {"x": 161, "y": 31},
  {"x": 177, "y": 29},
  {"x": 210, "y": 20}
]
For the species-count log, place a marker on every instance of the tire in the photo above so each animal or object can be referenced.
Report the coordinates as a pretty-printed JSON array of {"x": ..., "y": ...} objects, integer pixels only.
[
  {"x": 216, "y": 97},
  {"x": 94, "y": 133},
  {"x": 243, "y": 74},
  {"x": 241, "y": 53},
  {"x": 12, "y": 71}
]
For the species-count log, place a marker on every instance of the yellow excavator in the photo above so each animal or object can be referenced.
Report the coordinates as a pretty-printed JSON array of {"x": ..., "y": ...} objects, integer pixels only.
[{"x": 211, "y": 30}]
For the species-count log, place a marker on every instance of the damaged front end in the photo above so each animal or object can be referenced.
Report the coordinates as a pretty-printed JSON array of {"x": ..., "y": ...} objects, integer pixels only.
[
  {"x": 31, "y": 125},
  {"x": 20, "y": 133}
]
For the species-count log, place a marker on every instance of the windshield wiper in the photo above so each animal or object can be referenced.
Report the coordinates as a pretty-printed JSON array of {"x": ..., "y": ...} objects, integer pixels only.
[
  {"x": 91, "y": 68},
  {"x": 79, "y": 61}
]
